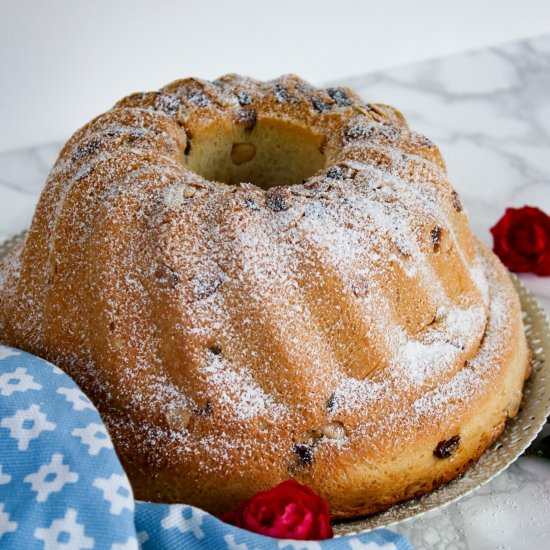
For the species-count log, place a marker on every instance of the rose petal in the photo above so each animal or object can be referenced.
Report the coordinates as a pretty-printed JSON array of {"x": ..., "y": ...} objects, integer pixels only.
[
  {"x": 289, "y": 510},
  {"x": 522, "y": 240}
]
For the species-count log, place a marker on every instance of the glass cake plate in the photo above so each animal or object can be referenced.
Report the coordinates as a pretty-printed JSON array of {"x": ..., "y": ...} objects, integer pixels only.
[{"x": 518, "y": 434}]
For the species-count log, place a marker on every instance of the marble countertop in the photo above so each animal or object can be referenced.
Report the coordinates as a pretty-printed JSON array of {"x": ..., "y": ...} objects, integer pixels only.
[{"x": 489, "y": 112}]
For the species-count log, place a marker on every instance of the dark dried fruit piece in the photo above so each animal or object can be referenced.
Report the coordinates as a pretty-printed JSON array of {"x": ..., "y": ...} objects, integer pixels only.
[
  {"x": 304, "y": 452},
  {"x": 251, "y": 204},
  {"x": 204, "y": 287},
  {"x": 385, "y": 130},
  {"x": 425, "y": 141},
  {"x": 282, "y": 95},
  {"x": 456, "y": 202},
  {"x": 205, "y": 411},
  {"x": 436, "y": 237},
  {"x": 357, "y": 131},
  {"x": 360, "y": 288},
  {"x": 335, "y": 173},
  {"x": 114, "y": 132},
  {"x": 87, "y": 148},
  {"x": 167, "y": 277},
  {"x": 339, "y": 96},
  {"x": 332, "y": 401},
  {"x": 246, "y": 118},
  {"x": 168, "y": 104},
  {"x": 319, "y": 105},
  {"x": 187, "y": 147},
  {"x": 447, "y": 447},
  {"x": 278, "y": 199},
  {"x": 402, "y": 246},
  {"x": 199, "y": 99},
  {"x": 243, "y": 98},
  {"x": 215, "y": 350}
]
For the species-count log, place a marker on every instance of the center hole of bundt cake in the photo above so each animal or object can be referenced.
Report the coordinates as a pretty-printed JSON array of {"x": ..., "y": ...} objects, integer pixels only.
[{"x": 271, "y": 153}]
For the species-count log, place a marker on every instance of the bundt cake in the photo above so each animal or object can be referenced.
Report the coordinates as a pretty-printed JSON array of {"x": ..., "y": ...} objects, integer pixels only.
[{"x": 257, "y": 281}]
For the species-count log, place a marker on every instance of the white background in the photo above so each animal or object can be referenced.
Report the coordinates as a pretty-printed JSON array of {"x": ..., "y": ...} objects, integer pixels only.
[{"x": 64, "y": 61}]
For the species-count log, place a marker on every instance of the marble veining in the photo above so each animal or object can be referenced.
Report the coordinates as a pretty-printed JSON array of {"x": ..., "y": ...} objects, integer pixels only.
[{"x": 489, "y": 112}]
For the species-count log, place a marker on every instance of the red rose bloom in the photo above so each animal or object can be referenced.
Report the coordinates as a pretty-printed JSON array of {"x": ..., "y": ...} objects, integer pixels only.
[
  {"x": 522, "y": 240},
  {"x": 289, "y": 511}
]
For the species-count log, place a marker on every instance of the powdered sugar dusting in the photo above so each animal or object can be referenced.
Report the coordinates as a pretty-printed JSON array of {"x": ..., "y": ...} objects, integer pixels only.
[
  {"x": 204, "y": 318},
  {"x": 239, "y": 391}
]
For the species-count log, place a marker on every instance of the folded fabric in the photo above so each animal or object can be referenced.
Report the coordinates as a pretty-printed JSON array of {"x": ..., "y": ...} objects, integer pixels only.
[{"x": 63, "y": 487}]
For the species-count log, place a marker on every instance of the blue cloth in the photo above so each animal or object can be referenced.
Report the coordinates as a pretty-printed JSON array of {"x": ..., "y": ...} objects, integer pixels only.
[{"x": 63, "y": 487}]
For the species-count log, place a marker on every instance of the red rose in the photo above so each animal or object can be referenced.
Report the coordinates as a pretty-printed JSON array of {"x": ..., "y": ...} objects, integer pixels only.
[
  {"x": 289, "y": 511},
  {"x": 522, "y": 240}
]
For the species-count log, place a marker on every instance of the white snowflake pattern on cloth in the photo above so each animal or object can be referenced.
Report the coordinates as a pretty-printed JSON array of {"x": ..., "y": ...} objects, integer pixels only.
[
  {"x": 75, "y": 396},
  {"x": 26, "y": 425},
  {"x": 130, "y": 544},
  {"x": 299, "y": 544},
  {"x": 175, "y": 520},
  {"x": 64, "y": 533},
  {"x": 6, "y": 526},
  {"x": 19, "y": 380},
  {"x": 94, "y": 436},
  {"x": 6, "y": 352},
  {"x": 55, "y": 368},
  {"x": 4, "y": 478},
  {"x": 143, "y": 537},
  {"x": 358, "y": 545},
  {"x": 44, "y": 484},
  {"x": 117, "y": 491},
  {"x": 232, "y": 545}
]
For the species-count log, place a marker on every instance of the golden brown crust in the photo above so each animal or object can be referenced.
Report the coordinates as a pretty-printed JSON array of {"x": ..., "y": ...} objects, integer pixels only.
[{"x": 336, "y": 330}]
